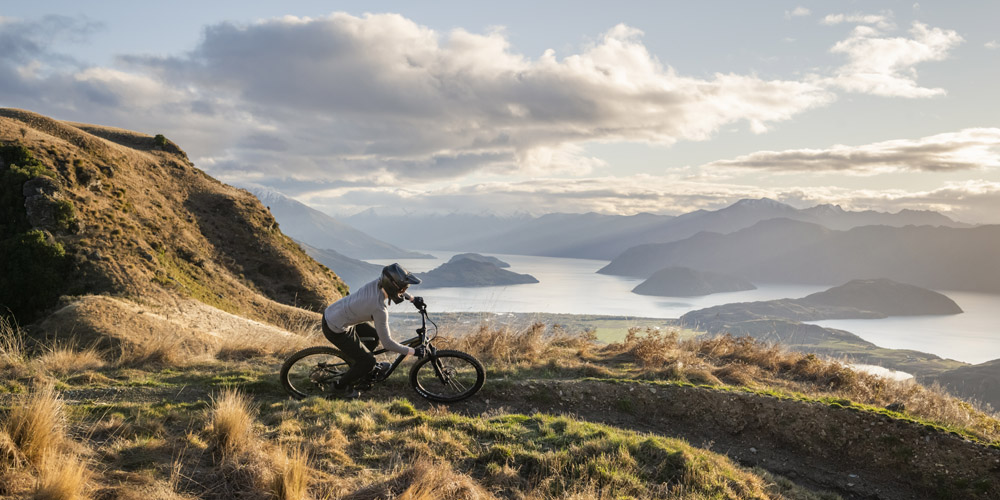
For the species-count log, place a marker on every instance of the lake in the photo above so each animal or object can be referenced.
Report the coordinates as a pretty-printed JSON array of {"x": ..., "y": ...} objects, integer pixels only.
[{"x": 572, "y": 286}]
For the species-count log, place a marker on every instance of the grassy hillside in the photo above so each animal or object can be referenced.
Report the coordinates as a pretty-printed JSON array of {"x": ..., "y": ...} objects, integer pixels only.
[
  {"x": 92, "y": 209},
  {"x": 560, "y": 417}
]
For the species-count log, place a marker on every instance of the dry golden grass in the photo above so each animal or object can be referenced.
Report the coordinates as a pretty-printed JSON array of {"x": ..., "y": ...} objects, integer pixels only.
[
  {"x": 10, "y": 454},
  {"x": 62, "y": 478},
  {"x": 13, "y": 353},
  {"x": 163, "y": 351},
  {"x": 67, "y": 360},
  {"x": 36, "y": 426},
  {"x": 232, "y": 422},
  {"x": 425, "y": 480},
  {"x": 506, "y": 345},
  {"x": 237, "y": 348},
  {"x": 291, "y": 474},
  {"x": 744, "y": 361}
]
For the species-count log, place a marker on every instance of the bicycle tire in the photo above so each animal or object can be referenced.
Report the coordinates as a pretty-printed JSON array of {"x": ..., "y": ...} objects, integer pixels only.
[
  {"x": 310, "y": 372},
  {"x": 448, "y": 376}
]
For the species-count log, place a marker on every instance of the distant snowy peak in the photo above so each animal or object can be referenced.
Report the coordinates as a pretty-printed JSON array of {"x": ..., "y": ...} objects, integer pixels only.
[
  {"x": 267, "y": 196},
  {"x": 826, "y": 209},
  {"x": 762, "y": 203}
]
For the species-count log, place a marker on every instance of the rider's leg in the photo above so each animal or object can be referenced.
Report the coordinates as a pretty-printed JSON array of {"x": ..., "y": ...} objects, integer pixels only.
[
  {"x": 349, "y": 343},
  {"x": 368, "y": 331}
]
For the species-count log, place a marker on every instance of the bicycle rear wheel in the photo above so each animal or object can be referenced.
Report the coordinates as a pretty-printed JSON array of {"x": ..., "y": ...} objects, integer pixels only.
[
  {"x": 312, "y": 371},
  {"x": 448, "y": 376}
]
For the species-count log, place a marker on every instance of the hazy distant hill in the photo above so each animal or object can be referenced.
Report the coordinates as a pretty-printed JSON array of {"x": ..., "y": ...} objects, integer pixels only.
[
  {"x": 884, "y": 297},
  {"x": 978, "y": 382},
  {"x": 324, "y": 232},
  {"x": 589, "y": 235},
  {"x": 433, "y": 232},
  {"x": 787, "y": 251},
  {"x": 479, "y": 258},
  {"x": 687, "y": 282},
  {"x": 782, "y": 320},
  {"x": 354, "y": 272},
  {"x": 601, "y": 236}
]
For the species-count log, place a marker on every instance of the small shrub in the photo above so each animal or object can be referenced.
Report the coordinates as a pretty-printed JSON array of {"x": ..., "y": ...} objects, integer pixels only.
[
  {"x": 160, "y": 140},
  {"x": 64, "y": 213}
]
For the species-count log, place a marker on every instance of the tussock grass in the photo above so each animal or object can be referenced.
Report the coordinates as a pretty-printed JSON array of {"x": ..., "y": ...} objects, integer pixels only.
[
  {"x": 506, "y": 345},
  {"x": 62, "y": 478},
  {"x": 13, "y": 350},
  {"x": 34, "y": 443},
  {"x": 232, "y": 422},
  {"x": 425, "y": 479},
  {"x": 69, "y": 359},
  {"x": 236, "y": 348},
  {"x": 36, "y": 426},
  {"x": 291, "y": 473},
  {"x": 161, "y": 352},
  {"x": 744, "y": 361}
]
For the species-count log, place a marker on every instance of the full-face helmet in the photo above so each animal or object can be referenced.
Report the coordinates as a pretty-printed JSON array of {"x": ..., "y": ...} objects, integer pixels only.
[{"x": 395, "y": 281}]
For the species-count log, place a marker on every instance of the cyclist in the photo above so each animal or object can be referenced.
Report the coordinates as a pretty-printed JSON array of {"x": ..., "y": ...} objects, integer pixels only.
[{"x": 365, "y": 313}]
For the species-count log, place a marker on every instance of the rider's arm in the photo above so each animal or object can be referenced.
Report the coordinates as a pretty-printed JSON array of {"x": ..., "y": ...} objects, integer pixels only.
[{"x": 381, "y": 318}]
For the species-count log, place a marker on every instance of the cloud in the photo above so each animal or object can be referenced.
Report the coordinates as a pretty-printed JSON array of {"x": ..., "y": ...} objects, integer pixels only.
[
  {"x": 885, "y": 66},
  {"x": 609, "y": 194},
  {"x": 969, "y": 149},
  {"x": 992, "y": 45},
  {"x": 881, "y": 21},
  {"x": 384, "y": 95},
  {"x": 972, "y": 201},
  {"x": 797, "y": 12}
]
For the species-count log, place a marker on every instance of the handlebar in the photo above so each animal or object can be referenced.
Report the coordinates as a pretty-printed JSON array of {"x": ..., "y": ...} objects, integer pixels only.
[{"x": 419, "y": 303}]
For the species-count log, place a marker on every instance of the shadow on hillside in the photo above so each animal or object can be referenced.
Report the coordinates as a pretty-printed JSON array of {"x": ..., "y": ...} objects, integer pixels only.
[{"x": 243, "y": 243}]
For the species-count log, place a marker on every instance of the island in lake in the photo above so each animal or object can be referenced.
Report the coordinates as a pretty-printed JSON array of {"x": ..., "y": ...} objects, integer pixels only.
[
  {"x": 687, "y": 282},
  {"x": 472, "y": 270}
]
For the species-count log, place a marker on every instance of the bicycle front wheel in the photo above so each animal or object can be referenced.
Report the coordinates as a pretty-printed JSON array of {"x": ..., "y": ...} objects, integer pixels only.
[
  {"x": 312, "y": 371},
  {"x": 448, "y": 376}
]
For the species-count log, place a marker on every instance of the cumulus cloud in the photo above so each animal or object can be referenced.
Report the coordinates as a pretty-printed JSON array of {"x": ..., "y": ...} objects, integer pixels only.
[
  {"x": 969, "y": 149},
  {"x": 609, "y": 194},
  {"x": 384, "y": 95},
  {"x": 992, "y": 45},
  {"x": 885, "y": 66}
]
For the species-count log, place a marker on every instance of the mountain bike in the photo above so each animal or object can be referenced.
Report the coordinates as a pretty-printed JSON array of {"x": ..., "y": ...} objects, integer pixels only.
[{"x": 443, "y": 376}]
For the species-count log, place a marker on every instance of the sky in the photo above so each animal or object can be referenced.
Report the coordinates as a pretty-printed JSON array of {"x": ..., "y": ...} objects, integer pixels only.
[{"x": 537, "y": 107}]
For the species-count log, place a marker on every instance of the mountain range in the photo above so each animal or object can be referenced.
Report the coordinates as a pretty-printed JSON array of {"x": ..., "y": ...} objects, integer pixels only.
[
  {"x": 322, "y": 231},
  {"x": 791, "y": 251},
  {"x": 599, "y": 236}
]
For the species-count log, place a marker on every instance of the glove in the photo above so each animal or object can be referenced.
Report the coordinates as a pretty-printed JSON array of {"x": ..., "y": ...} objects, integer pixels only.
[
  {"x": 419, "y": 303},
  {"x": 420, "y": 351}
]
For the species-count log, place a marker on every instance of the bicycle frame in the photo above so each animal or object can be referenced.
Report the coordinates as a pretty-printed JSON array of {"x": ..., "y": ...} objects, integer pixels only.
[{"x": 420, "y": 339}]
